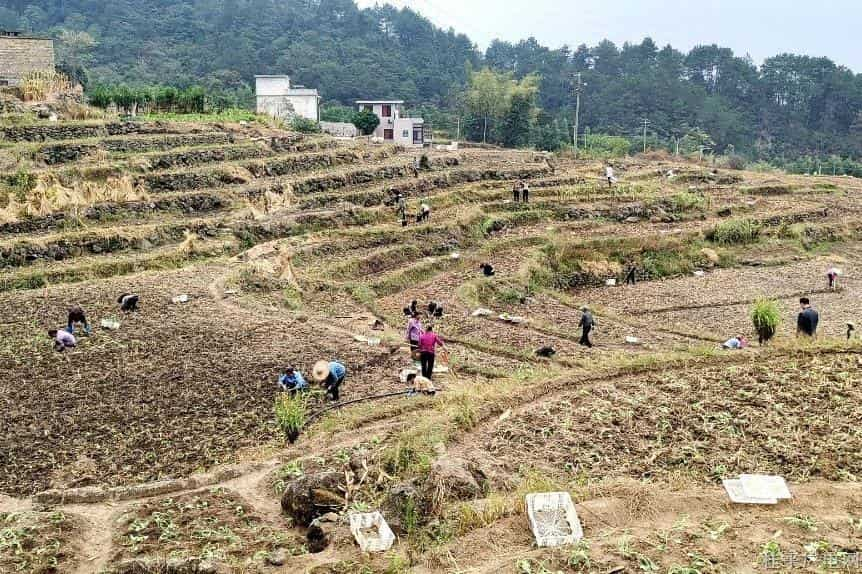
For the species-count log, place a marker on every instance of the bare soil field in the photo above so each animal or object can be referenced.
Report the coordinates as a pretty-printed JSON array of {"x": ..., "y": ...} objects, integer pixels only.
[{"x": 156, "y": 447}]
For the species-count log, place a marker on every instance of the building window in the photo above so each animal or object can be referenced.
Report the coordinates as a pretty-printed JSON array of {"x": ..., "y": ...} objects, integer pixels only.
[
  {"x": 405, "y": 134},
  {"x": 387, "y": 111},
  {"x": 368, "y": 108},
  {"x": 388, "y": 134}
]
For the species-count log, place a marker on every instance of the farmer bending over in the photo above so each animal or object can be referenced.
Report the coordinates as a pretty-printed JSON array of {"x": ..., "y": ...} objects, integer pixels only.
[
  {"x": 77, "y": 316},
  {"x": 128, "y": 302},
  {"x": 62, "y": 339},
  {"x": 331, "y": 375},
  {"x": 292, "y": 381}
]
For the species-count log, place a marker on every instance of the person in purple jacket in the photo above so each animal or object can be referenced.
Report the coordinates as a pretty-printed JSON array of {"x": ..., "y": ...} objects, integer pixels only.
[{"x": 414, "y": 331}]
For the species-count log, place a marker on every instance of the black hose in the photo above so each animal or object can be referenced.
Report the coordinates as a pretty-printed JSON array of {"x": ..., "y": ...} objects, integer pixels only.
[{"x": 337, "y": 406}]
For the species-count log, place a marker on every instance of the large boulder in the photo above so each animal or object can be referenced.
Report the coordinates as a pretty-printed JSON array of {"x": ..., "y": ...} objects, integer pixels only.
[
  {"x": 454, "y": 478},
  {"x": 312, "y": 495}
]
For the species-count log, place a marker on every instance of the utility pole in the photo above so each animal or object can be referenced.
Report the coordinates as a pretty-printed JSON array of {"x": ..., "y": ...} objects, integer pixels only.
[
  {"x": 646, "y": 123},
  {"x": 458, "y": 137},
  {"x": 578, "y": 88}
]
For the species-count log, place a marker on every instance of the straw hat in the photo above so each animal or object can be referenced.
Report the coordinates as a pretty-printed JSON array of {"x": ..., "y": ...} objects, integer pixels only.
[{"x": 320, "y": 371}]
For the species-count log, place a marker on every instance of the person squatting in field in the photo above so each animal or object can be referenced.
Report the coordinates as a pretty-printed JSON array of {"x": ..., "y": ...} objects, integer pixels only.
[{"x": 63, "y": 339}]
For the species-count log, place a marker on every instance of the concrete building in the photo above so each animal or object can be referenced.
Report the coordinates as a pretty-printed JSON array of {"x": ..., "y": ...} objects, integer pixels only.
[
  {"x": 393, "y": 127},
  {"x": 21, "y": 54},
  {"x": 276, "y": 98}
]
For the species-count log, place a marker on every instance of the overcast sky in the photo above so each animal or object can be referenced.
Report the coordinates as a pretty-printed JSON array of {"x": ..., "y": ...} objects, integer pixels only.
[{"x": 761, "y": 28}]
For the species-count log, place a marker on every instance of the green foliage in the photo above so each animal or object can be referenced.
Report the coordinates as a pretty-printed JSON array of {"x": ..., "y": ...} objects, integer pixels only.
[
  {"x": 601, "y": 146},
  {"x": 787, "y": 107},
  {"x": 366, "y": 121},
  {"x": 304, "y": 125},
  {"x": 735, "y": 232},
  {"x": 765, "y": 315},
  {"x": 153, "y": 99},
  {"x": 337, "y": 113},
  {"x": 290, "y": 414}
]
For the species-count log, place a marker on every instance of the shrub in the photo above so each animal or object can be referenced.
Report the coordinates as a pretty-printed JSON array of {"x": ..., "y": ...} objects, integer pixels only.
[
  {"x": 766, "y": 316},
  {"x": 735, "y": 232},
  {"x": 304, "y": 125},
  {"x": 366, "y": 121},
  {"x": 290, "y": 414}
]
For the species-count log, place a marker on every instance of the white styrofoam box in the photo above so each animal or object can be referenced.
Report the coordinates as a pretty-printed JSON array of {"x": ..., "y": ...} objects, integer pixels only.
[
  {"x": 111, "y": 324},
  {"x": 765, "y": 486},
  {"x": 371, "y": 531},
  {"x": 611, "y": 282},
  {"x": 738, "y": 495},
  {"x": 553, "y": 519}
]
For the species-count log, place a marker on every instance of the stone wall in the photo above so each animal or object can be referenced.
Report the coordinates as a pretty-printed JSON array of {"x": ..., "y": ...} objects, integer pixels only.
[{"x": 21, "y": 55}]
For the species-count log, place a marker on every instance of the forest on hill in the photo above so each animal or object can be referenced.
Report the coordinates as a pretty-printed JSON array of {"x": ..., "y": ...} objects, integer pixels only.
[{"x": 788, "y": 107}]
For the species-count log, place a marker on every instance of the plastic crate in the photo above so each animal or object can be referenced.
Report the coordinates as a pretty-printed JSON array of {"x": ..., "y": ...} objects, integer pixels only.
[
  {"x": 371, "y": 532},
  {"x": 553, "y": 519}
]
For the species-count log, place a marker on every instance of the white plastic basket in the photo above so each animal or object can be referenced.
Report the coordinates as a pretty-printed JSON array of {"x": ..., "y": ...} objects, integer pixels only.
[
  {"x": 371, "y": 531},
  {"x": 553, "y": 519}
]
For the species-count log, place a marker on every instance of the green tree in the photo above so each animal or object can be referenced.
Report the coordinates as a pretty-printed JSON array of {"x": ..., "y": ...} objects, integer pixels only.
[
  {"x": 522, "y": 112},
  {"x": 366, "y": 121},
  {"x": 488, "y": 96},
  {"x": 75, "y": 54}
]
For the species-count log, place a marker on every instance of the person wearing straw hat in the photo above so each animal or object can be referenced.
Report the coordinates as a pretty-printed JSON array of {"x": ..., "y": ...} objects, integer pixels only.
[{"x": 331, "y": 375}]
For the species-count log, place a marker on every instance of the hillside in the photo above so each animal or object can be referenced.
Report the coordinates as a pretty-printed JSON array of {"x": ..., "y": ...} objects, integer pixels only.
[
  {"x": 791, "y": 106},
  {"x": 153, "y": 446}
]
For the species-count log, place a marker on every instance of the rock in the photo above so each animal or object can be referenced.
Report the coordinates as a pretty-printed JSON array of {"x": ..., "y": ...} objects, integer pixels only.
[
  {"x": 324, "y": 532},
  {"x": 277, "y": 557},
  {"x": 456, "y": 478},
  {"x": 725, "y": 212},
  {"x": 632, "y": 219},
  {"x": 312, "y": 495}
]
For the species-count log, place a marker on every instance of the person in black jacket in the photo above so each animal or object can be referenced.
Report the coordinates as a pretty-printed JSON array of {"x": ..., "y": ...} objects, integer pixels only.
[
  {"x": 586, "y": 324},
  {"x": 808, "y": 319}
]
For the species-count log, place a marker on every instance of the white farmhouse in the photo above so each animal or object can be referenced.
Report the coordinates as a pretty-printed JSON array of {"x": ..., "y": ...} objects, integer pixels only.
[
  {"x": 276, "y": 98},
  {"x": 394, "y": 128}
]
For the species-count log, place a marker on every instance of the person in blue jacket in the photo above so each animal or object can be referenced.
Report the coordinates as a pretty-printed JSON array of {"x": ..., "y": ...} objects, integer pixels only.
[
  {"x": 292, "y": 381},
  {"x": 331, "y": 375}
]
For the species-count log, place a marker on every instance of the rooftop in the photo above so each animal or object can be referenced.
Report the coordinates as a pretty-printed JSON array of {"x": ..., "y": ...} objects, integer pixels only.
[
  {"x": 379, "y": 101},
  {"x": 21, "y": 35},
  {"x": 302, "y": 92},
  {"x": 272, "y": 76}
]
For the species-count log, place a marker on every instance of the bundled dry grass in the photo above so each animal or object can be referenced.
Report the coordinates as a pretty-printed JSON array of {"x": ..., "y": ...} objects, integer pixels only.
[
  {"x": 191, "y": 243},
  {"x": 37, "y": 86},
  {"x": 49, "y": 195}
]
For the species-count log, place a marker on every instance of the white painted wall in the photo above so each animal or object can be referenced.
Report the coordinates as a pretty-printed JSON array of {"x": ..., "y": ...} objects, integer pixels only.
[{"x": 272, "y": 85}]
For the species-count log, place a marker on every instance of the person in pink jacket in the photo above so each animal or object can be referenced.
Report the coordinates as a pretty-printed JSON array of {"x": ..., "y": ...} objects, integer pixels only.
[{"x": 428, "y": 343}]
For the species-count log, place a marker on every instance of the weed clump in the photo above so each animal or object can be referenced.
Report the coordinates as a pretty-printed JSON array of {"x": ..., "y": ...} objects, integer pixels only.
[
  {"x": 735, "y": 232},
  {"x": 766, "y": 316},
  {"x": 290, "y": 414}
]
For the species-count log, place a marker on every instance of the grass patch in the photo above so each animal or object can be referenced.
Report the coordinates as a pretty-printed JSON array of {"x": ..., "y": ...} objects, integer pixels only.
[
  {"x": 290, "y": 414},
  {"x": 735, "y": 232}
]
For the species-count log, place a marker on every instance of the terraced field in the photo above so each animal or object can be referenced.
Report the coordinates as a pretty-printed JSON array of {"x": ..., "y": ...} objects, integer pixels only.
[{"x": 154, "y": 447}]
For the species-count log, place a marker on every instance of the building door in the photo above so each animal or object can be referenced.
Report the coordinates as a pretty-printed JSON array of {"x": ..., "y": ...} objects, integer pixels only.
[
  {"x": 388, "y": 134},
  {"x": 418, "y": 138}
]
